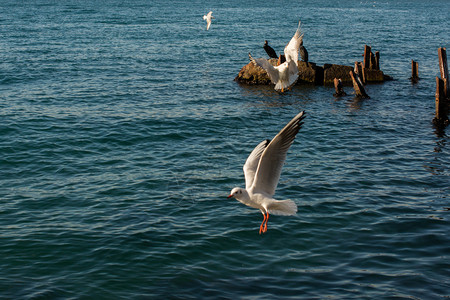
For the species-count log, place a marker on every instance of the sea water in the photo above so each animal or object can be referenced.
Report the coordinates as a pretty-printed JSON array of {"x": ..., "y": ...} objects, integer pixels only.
[{"x": 122, "y": 132}]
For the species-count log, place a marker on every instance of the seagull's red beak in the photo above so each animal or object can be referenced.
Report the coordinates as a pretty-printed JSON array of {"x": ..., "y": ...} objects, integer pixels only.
[{"x": 229, "y": 196}]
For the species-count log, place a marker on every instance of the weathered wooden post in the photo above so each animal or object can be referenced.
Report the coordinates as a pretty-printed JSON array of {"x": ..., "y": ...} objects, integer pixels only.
[
  {"x": 442, "y": 91},
  {"x": 443, "y": 68},
  {"x": 440, "y": 117},
  {"x": 414, "y": 71},
  {"x": 372, "y": 64},
  {"x": 377, "y": 60},
  {"x": 357, "y": 85},
  {"x": 339, "y": 88},
  {"x": 366, "y": 61},
  {"x": 359, "y": 69}
]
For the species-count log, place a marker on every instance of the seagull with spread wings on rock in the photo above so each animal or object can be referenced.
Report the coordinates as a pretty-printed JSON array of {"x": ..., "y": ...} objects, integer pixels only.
[{"x": 285, "y": 75}]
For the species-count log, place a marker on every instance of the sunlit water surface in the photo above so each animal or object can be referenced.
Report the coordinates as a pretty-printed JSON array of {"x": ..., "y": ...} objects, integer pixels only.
[{"x": 122, "y": 132}]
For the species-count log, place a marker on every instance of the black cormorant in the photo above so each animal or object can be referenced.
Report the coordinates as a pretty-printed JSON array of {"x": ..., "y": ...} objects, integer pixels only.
[
  {"x": 269, "y": 50},
  {"x": 303, "y": 52}
]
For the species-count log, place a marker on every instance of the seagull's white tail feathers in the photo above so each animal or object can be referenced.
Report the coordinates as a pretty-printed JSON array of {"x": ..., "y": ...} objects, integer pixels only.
[
  {"x": 282, "y": 208},
  {"x": 286, "y": 84},
  {"x": 281, "y": 85}
]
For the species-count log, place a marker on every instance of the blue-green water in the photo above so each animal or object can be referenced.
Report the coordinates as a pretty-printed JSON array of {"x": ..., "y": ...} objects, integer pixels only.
[{"x": 122, "y": 132}]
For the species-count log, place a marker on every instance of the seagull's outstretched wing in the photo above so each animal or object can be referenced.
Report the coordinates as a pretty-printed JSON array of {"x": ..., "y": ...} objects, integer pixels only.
[
  {"x": 272, "y": 71},
  {"x": 272, "y": 159},
  {"x": 291, "y": 49},
  {"x": 251, "y": 164},
  {"x": 293, "y": 73}
]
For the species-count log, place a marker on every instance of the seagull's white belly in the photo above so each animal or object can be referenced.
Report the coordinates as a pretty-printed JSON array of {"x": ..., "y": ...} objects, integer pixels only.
[
  {"x": 250, "y": 202},
  {"x": 259, "y": 200},
  {"x": 284, "y": 72}
]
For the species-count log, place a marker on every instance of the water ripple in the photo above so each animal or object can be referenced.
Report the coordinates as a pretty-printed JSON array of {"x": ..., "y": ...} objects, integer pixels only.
[{"x": 122, "y": 135}]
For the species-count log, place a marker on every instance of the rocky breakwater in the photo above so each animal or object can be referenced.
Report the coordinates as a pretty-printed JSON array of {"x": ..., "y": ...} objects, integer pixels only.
[{"x": 311, "y": 73}]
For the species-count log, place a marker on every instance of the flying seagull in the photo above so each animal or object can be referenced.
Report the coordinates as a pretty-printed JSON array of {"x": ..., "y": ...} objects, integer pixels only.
[
  {"x": 262, "y": 172},
  {"x": 269, "y": 50},
  {"x": 208, "y": 18},
  {"x": 285, "y": 75}
]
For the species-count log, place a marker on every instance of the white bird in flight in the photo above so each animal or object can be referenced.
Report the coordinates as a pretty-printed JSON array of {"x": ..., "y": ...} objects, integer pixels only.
[
  {"x": 285, "y": 75},
  {"x": 262, "y": 172},
  {"x": 208, "y": 18}
]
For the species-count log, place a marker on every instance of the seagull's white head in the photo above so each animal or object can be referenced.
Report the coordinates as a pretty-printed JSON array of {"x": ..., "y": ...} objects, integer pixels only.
[{"x": 237, "y": 193}]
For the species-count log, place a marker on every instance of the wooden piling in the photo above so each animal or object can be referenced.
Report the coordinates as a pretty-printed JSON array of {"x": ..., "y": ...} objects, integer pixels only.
[
  {"x": 372, "y": 65},
  {"x": 359, "y": 69},
  {"x": 442, "y": 91},
  {"x": 443, "y": 68},
  {"x": 371, "y": 61},
  {"x": 367, "y": 51},
  {"x": 446, "y": 90},
  {"x": 339, "y": 88},
  {"x": 414, "y": 71},
  {"x": 377, "y": 60},
  {"x": 441, "y": 103},
  {"x": 357, "y": 85}
]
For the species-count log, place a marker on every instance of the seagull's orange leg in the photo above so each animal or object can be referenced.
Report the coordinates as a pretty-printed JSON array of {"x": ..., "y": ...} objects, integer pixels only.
[
  {"x": 267, "y": 220},
  {"x": 261, "y": 228}
]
